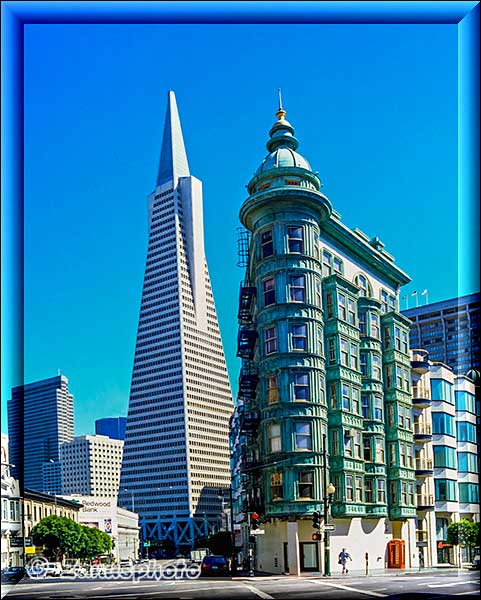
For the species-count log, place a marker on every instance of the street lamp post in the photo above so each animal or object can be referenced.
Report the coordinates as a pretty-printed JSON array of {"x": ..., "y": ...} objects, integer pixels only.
[
  {"x": 131, "y": 497},
  {"x": 329, "y": 491}
]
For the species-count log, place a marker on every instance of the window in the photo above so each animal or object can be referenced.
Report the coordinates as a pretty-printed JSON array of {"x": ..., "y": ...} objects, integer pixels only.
[
  {"x": 363, "y": 363},
  {"x": 295, "y": 239},
  {"x": 376, "y": 366},
  {"x": 355, "y": 400},
  {"x": 353, "y": 354},
  {"x": 378, "y": 408},
  {"x": 345, "y": 396},
  {"x": 357, "y": 444},
  {"x": 275, "y": 437},
  {"x": 277, "y": 492},
  {"x": 335, "y": 441},
  {"x": 383, "y": 301},
  {"x": 469, "y": 492},
  {"x": 270, "y": 340},
  {"x": 362, "y": 323},
  {"x": 316, "y": 246},
  {"x": 465, "y": 401},
  {"x": 442, "y": 390},
  {"x": 298, "y": 337},
  {"x": 269, "y": 291},
  {"x": 402, "y": 455},
  {"x": 329, "y": 306},
  {"x": 387, "y": 338},
  {"x": 445, "y": 490},
  {"x": 320, "y": 341},
  {"x": 302, "y": 435},
  {"x": 358, "y": 489},
  {"x": 394, "y": 493},
  {"x": 444, "y": 456},
  {"x": 404, "y": 497},
  {"x": 404, "y": 342},
  {"x": 351, "y": 312},
  {"x": 337, "y": 264},
  {"x": 379, "y": 449},
  {"x": 466, "y": 432},
  {"x": 267, "y": 246},
  {"x": 374, "y": 326},
  {"x": 443, "y": 423},
  {"x": 363, "y": 284},
  {"x": 347, "y": 443},
  {"x": 349, "y": 489},
  {"x": 368, "y": 491},
  {"x": 318, "y": 293},
  {"x": 297, "y": 285},
  {"x": 341, "y": 304},
  {"x": 399, "y": 378},
  {"x": 397, "y": 338},
  {"x": 467, "y": 462},
  {"x": 301, "y": 386},
  {"x": 332, "y": 351},
  {"x": 306, "y": 484},
  {"x": 326, "y": 263},
  {"x": 272, "y": 389},
  {"x": 381, "y": 491},
  {"x": 365, "y": 406},
  {"x": 322, "y": 387},
  {"x": 367, "y": 448},
  {"x": 333, "y": 395},
  {"x": 344, "y": 352}
]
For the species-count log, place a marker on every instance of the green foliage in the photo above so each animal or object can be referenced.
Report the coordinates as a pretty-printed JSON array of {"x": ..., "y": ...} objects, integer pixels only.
[
  {"x": 61, "y": 536},
  {"x": 463, "y": 533}
]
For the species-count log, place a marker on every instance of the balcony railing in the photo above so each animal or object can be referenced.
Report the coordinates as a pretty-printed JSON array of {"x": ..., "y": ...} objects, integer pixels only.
[
  {"x": 247, "y": 296},
  {"x": 421, "y": 428},
  {"x": 421, "y": 392},
  {"x": 246, "y": 341},
  {"x": 425, "y": 500},
  {"x": 424, "y": 464}
]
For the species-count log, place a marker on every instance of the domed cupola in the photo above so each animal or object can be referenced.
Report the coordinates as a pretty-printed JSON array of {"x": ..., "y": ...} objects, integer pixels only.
[{"x": 282, "y": 147}]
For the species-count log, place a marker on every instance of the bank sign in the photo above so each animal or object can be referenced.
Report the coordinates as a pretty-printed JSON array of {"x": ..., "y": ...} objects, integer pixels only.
[{"x": 98, "y": 512}]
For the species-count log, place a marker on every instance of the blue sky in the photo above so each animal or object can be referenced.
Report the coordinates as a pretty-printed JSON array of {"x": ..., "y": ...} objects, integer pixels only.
[{"x": 375, "y": 111}]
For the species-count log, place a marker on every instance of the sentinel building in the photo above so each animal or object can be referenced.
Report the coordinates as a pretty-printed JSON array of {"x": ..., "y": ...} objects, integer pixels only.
[
  {"x": 325, "y": 386},
  {"x": 176, "y": 453}
]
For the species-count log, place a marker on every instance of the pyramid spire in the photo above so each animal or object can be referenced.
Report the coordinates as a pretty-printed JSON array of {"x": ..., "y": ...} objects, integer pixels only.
[{"x": 173, "y": 159}]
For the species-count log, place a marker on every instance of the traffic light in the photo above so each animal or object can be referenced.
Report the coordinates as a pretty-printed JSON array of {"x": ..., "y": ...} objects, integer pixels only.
[
  {"x": 316, "y": 537},
  {"x": 316, "y": 519},
  {"x": 255, "y": 521}
]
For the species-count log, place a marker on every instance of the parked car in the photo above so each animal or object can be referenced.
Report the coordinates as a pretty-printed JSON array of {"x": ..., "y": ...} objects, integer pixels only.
[
  {"x": 475, "y": 564},
  {"x": 214, "y": 565},
  {"x": 13, "y": 574},
  {"x": 54, "y": 569}
]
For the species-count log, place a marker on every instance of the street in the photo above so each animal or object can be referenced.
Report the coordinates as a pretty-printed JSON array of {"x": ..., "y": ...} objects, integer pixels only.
[{"x": 425, "y": 585}]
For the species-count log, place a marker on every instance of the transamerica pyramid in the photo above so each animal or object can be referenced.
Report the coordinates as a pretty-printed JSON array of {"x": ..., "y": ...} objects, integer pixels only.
[{"x": 176, "y": 453}]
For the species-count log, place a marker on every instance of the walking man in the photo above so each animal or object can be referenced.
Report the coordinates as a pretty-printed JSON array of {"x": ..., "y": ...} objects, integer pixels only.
[{"x": 343, "y": 557}]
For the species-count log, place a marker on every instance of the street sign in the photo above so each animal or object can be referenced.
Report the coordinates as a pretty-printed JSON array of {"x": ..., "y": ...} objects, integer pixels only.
[
  {"x": 257, "y": 532},
  {"x": 328, "y": 527},
  {"x": 19, "y": 542}
]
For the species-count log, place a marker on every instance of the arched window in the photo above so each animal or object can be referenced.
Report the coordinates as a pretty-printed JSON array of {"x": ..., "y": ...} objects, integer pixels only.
[{"x": 365, "y": 288}]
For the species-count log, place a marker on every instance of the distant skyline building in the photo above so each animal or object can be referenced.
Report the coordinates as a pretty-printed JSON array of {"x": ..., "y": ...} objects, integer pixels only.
[
  {"x": 91, "y": 466},
  {"x": 40, "y": 419},
  {"x": 113, "y": 427},
  {"x": 450, "y": 331},
  {"x": 176, "y": 454}
]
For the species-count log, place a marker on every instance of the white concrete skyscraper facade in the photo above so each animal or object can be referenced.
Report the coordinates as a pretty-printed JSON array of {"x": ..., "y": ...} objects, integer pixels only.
[{"x": 176, "y": 453}]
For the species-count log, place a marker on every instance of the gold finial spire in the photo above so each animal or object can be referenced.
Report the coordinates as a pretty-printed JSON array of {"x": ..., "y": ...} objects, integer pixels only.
[{"x": 281, "y": 113}]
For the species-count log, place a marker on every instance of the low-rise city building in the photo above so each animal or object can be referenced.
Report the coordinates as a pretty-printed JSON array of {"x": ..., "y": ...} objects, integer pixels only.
[
  {"x": 121, "y": 524},
  {"x": 11, "y": 521}
]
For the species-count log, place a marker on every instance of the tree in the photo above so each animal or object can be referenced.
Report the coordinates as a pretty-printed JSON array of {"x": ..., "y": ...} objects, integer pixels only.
[
  {"x": 59, "y": 536},
  {"x": 463, "y": 533},
  {"x": 93, "y": 542}
]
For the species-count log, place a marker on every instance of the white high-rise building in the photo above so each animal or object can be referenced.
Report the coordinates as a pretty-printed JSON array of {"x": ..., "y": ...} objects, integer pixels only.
[
  {"x": 91, "y": 466},
  {"x": 176, "y": 454}
]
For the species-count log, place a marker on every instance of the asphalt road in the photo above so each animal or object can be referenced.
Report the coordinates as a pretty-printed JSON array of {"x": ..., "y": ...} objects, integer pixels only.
[{"x": 408, "y": 586}]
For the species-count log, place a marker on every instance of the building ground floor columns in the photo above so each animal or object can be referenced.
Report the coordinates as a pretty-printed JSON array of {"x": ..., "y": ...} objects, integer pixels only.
[{"x": 287, "y": 545}]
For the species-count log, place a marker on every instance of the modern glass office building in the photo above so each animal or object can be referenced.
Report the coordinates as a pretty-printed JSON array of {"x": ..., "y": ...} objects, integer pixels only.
[
  {"x": 40, "y": 419},
  {"x": 449, "y": 331},
  {"x": 113, "y": 427},
  {"x": 176, "y": 452}
]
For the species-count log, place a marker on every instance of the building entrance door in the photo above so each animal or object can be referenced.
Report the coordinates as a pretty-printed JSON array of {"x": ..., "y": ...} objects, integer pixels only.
[{"x": 309, "y": 557}]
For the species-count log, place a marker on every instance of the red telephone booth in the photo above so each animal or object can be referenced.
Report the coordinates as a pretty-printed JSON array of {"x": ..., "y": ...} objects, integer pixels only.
[{"x": 396, "y": 554}]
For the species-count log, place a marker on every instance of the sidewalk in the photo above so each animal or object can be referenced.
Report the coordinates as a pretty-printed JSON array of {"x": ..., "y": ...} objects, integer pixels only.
[{"x": 354, "y": 573}]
